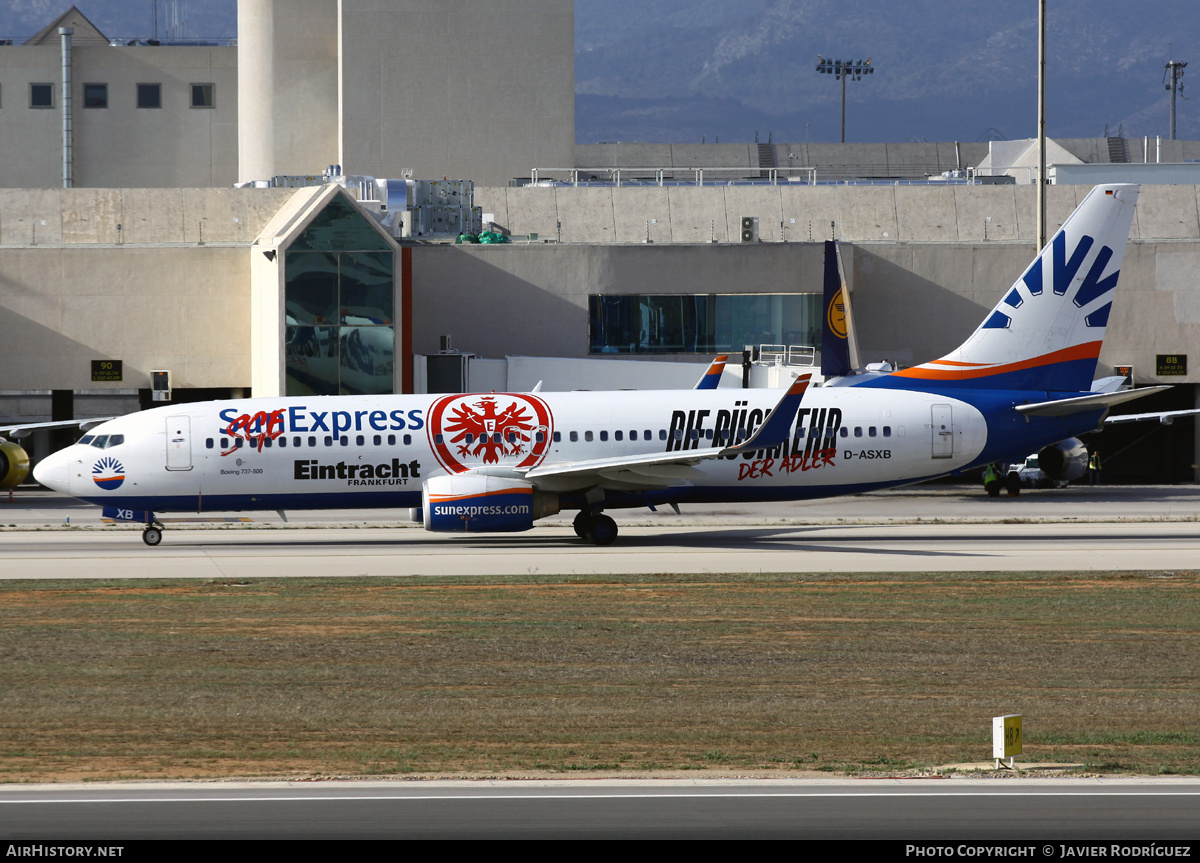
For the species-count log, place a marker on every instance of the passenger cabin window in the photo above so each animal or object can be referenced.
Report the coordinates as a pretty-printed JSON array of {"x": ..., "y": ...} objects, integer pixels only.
[
  {"x": 574, "y": 437},
  {"x": 587, "y": 436},
  {"x": 604, "y": 435}
]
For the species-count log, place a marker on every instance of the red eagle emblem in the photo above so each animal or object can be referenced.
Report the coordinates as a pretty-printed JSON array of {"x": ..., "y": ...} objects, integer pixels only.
[{"x": 474, "y": 430}]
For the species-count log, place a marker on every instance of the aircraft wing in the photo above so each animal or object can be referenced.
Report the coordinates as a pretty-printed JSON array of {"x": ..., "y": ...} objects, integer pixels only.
[
  {"x": 20, "y": 430},
  {"x": 663, "y": 468}
]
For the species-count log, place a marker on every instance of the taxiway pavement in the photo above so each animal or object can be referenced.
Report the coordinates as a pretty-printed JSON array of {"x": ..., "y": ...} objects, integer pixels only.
[{"x": 45, "y": 535}]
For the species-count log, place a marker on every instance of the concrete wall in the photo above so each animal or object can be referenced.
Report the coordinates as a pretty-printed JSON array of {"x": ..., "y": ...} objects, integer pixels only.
[
  {"x": 170, "y": 287},
  {"x": 39, "y": 217},
  {"x": 121, "y": 145},
  {"x": 289, "y": 97},
  {"x": 455, "y": 88},
  {"x": 912, "y": 301},
  {"x": 533, "y": 299},
  {"x": 182, "y": 309},
  {"x": 799, "y": 213},
  {"x": 157, "y": 278}
]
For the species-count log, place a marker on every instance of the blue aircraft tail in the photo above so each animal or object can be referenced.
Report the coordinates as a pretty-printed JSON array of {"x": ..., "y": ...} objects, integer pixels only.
[{"x": 835, "y": 325}]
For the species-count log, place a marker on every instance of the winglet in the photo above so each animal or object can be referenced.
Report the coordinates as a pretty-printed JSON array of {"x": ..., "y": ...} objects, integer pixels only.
[
  {"x": 778, "y": 426},
  {"x": 711, "y": 378}
]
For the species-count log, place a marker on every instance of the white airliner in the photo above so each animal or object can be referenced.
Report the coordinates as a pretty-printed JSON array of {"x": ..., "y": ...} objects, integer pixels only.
[{"x": 500, "y": 461}]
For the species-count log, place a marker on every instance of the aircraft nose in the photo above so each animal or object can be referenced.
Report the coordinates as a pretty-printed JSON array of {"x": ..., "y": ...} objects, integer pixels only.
[{"x": 53, "y": 471}]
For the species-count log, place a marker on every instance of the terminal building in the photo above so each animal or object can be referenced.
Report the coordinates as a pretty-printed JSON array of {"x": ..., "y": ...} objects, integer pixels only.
[{"x": 244, "y": 218}]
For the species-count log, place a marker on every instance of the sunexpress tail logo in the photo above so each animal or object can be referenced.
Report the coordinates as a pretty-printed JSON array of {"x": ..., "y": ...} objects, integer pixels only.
[
  {"x": 108, "y": 473},
  {"x": 1063, "y": 273}
]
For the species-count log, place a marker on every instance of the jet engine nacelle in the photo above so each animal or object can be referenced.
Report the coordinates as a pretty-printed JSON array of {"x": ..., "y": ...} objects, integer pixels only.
[
  {"x": 1065, "y": 460},
  {"x": 14, "y": 464},
  {"x": 472, "y": 503}
]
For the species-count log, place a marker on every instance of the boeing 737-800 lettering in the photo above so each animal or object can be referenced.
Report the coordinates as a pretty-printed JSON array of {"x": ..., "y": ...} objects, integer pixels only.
[{"x": 500, "y": 461}]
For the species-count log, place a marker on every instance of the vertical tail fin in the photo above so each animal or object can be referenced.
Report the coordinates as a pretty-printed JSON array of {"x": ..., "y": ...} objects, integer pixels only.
[
  {"x": 1047, "y": 331},
  {"x": 836, "y": 324}
]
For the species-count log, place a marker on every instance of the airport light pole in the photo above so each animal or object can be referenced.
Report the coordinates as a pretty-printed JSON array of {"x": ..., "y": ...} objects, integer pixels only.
[
  {"x": 1041, "y": 129},
  {"x": 1173, "y": 69},
  {"x": 841, "y": 70}
]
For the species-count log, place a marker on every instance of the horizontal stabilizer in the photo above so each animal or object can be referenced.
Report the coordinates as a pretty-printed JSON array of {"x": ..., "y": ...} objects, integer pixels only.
[
  {"x": 1084, "y": 404},
  {"x": 1164, "y": 417}
]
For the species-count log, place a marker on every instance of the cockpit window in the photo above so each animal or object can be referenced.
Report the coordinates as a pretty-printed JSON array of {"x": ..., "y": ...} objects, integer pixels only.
[
  {"x": 115, "y": 440},
  {"x": 86, "y": 439},
  {"x": 100, "y": 441}
]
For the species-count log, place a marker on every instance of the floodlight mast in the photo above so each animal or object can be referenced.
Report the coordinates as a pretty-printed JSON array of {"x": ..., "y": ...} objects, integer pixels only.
[
  {"x": 1173, "y": 69},
  {"x": 841, "y": 70}
]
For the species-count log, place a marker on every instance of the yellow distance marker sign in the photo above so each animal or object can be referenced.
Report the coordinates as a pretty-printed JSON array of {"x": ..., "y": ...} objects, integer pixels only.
[{"x": 1006, "y": 737}]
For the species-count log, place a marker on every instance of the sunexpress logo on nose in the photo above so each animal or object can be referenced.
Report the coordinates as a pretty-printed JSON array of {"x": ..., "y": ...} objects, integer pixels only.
[{"x": 108, "y": 473}]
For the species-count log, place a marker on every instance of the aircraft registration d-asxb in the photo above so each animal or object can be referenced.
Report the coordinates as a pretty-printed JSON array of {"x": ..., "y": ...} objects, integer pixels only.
[{"x": 500, "y": 461}]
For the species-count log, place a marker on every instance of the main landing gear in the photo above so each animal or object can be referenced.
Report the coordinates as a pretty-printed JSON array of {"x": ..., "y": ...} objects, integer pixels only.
[{"x": 596, "y": 528}]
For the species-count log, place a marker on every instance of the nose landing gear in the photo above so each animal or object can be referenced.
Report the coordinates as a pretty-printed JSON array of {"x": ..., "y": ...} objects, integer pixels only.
[{"x": 152, "y": 535}]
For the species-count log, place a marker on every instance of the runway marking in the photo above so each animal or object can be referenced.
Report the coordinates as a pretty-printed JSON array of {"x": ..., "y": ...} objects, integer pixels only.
[{"x": 514, "y": 794}]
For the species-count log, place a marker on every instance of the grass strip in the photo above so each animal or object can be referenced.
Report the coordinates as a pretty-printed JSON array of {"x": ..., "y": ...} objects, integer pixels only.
[{"x": 613, "y": 674}]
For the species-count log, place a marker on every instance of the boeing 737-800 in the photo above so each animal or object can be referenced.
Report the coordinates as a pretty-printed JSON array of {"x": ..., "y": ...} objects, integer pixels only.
[{"x": 500, "y": 461}]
